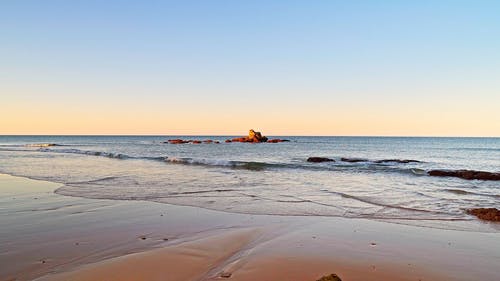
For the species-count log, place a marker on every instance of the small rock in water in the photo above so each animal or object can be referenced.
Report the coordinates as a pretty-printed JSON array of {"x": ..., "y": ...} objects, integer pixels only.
[
  {"x": 177, "y": 141},
  {"x": 331, "y": 277},
  {"x": 319, "y": 159},
  {"x": 242, "y": 139},
  {"x": 353, "y": 160},
  {"x": 466, "y": 174},
  {"x": 488, "y": 214},
  {"x": 277, "y": 140},
  {"x": 403, "y": 161}
]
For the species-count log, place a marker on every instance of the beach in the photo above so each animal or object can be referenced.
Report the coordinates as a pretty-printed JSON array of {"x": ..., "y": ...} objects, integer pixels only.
[
  {"x": 250, "y": 140},
  {"x": 46, "y": 236}
]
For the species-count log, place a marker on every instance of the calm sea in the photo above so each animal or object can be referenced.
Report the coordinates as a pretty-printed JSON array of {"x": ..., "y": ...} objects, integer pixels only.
[{"x": 271, "y": 178}]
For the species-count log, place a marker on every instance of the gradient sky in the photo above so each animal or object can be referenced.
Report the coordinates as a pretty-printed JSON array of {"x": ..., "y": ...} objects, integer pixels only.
[{"x": 416, "y": 68}]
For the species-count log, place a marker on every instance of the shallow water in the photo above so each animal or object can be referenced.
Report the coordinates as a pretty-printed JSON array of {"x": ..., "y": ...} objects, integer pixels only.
[{"x": 270, "y": 178}]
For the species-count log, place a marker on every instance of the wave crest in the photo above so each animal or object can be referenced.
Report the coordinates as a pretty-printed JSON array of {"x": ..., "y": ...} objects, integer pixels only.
[{"x": 41, "y": 144}]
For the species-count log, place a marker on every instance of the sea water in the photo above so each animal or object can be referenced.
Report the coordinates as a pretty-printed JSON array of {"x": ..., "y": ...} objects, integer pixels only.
[{"x": 267, "y": 178}]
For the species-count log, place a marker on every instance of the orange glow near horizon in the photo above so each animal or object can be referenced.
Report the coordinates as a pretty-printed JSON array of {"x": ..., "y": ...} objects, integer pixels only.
[{"x": 44, "y": 119}]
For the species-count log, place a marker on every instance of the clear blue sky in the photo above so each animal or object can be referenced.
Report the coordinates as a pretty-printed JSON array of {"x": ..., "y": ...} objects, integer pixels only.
[{"x": 288, "y": 67}]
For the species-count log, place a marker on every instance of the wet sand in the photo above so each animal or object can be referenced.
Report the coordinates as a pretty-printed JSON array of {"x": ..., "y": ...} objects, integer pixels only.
[{"x": 46, "y": 236}]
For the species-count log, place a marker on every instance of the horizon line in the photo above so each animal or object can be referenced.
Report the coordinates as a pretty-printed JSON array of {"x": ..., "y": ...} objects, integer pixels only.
[{"x": 232, "y": 135}]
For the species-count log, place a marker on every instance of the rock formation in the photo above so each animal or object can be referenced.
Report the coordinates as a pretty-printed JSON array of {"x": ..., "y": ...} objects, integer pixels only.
[
  {"x": 319, "y": 159},
  {"x": 277, "y": 140},
  {"x": 353, "y": 160},
  {"x": 403, "y": 161},
  {"x": 489, "y": 214},
  {"x": 177, "y": 141},
  {"x": 466, "y": 174},
  {"x": 253, "y": 136}
]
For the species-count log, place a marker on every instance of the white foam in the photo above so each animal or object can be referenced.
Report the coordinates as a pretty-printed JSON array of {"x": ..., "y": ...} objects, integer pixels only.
[
  {"x": 41, "y": 144},
  {"x": 201, "y": 161}
]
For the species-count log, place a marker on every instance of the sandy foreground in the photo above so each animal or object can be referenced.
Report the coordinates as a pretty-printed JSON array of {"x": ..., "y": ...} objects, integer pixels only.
[{"x": 45, "y": 236}]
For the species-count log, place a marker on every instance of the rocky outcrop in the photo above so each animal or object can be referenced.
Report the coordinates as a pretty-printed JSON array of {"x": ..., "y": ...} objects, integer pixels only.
[
  {"x": 466, "y": 174},
  {"x": 319, "y": 159},
  {"x": 488, "y": 214},
  {"x": 253, "y": 136},
  {"x": 353, "y": 160},
  {"x": 403, "y": 161}
]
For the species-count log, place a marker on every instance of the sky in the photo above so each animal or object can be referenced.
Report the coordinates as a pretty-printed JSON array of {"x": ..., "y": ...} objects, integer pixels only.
[{"x": 357, "y": 68}]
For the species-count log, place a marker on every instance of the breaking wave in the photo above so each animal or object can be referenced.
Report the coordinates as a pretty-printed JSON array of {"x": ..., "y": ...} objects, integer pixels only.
[
  {"x": 42, "y": 144},
  {"x": 366, "y": 166},
  {"x": 339, "y": 165}
]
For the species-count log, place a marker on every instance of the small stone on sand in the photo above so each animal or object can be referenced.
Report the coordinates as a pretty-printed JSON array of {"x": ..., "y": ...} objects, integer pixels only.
[{"x": 331, "y": 277}]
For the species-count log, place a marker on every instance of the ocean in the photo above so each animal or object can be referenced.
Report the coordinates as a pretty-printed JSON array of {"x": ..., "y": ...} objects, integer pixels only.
[{"x": 272, "y": 178}]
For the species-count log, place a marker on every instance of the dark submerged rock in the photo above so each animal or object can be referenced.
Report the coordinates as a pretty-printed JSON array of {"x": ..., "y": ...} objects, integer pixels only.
[
  {"x": 403, "y": 161},
  {"x": 488, "y": 214},
  {"x": 276, "y": 140},
  {"x": 353, "y": 160},
  {"x": 319, "y": 159},
  {"x": 466, "y": 174},
  {"x": 331, "y": 277}
]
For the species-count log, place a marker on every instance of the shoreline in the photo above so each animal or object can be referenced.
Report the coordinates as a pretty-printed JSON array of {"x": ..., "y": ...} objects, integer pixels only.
[
  {"x": 81, "y": 236},
  {"x": 478, "y": 225}
]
